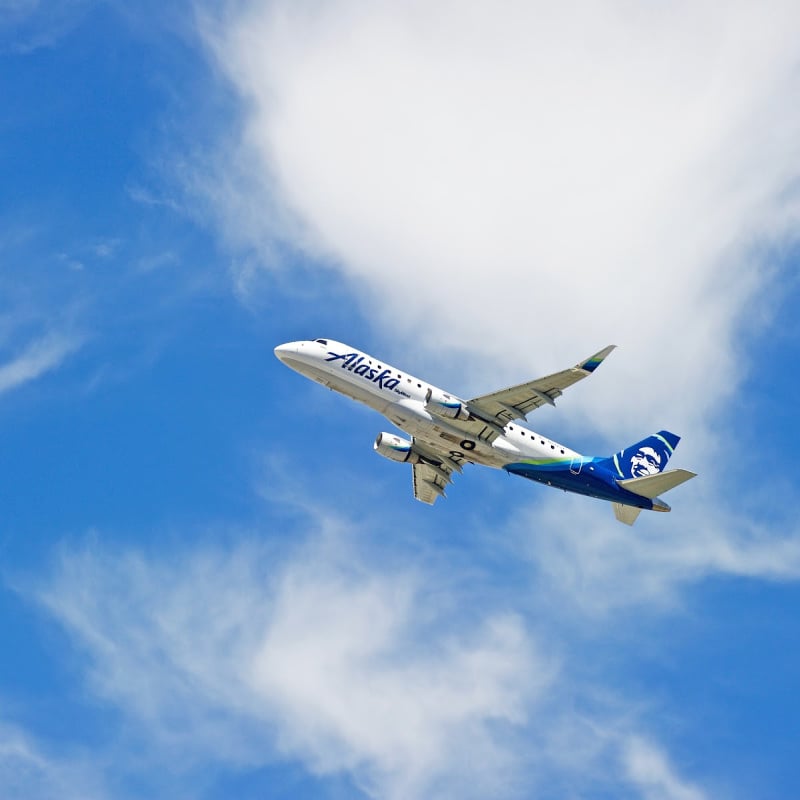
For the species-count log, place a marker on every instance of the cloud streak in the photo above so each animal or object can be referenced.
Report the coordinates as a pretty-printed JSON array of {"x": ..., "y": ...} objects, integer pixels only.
[
  {"x": 597, "y": 567},
  {"x": 39, "y": 357},
  {"x": 28, "y": 772},
  {"x": 650, "y": 770}
]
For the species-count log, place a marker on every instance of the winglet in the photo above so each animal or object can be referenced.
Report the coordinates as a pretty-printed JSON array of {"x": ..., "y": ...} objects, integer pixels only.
[{"x": 593, "y": 362}]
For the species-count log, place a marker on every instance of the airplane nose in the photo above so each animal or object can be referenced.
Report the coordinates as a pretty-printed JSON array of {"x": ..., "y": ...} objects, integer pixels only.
[{"x": 282, "y": 351}]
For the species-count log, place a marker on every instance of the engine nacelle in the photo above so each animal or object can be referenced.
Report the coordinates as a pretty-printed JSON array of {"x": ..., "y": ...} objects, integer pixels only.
[
  {"x": 441, "y": 404},
  {"x": 395, "y": 448}
]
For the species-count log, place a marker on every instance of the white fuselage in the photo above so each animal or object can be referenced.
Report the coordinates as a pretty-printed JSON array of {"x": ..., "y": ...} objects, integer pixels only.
[{"x": 401, "y": 398}]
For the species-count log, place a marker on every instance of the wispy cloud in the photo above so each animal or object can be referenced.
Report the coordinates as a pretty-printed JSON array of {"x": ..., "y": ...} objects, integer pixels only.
[
  {"x": 41, "y": 356},
  {"x": 147, "y": 197},
  {"x": 28, "y": 772},
  {"x": 29, "y": 25},
  {"x": 650, "y": 770},
  {"x": 347, "y": 665},
  {"x": 596, "y": 566},
  {"x": 351, "y": 663}
]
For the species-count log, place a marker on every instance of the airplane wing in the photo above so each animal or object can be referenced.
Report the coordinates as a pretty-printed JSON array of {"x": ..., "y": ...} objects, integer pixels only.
[
  {"x": 516, "y": 402},
  {"x": 428, "y": 486},
  {"x": 434, "y": 472}
]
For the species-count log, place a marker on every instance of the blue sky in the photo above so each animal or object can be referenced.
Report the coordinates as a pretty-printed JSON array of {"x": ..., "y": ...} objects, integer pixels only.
[{"x": 210, "y": 586}]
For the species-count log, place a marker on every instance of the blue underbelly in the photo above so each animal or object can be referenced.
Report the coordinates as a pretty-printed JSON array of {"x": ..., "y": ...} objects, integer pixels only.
[{"x": 590, "y": 480}]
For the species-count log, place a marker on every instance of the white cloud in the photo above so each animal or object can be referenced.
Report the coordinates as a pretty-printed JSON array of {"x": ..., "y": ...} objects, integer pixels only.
[
  {"x": 39, "y": 357},
  {"x": 240, "y": 656},
  {"x": 354, "y": 683},
  {"x": 237, "y": 657},
  {"x": 531, "y": 182},
  {"x": 650, "y": 770}
]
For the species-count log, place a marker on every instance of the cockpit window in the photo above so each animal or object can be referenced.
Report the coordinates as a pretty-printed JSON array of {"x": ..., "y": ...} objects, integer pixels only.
[{"x": 322, "y": 341}]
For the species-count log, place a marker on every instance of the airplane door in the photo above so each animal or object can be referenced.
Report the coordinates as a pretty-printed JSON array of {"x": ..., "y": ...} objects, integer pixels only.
[{"x": 576, "y": 465}]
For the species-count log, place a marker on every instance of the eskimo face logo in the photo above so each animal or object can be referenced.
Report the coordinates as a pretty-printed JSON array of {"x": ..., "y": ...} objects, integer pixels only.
[
  {"x": 645, "y": 461},
  {"x": 356, "y": 363}
]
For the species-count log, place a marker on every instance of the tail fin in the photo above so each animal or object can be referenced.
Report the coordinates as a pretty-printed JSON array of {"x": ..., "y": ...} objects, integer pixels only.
[{"x": 648, "y": 457}]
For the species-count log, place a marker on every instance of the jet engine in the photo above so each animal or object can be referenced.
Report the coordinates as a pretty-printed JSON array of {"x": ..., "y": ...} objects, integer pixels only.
[
  {"x": 441, "y": 404},
  {"x": 395, "y": 448}
]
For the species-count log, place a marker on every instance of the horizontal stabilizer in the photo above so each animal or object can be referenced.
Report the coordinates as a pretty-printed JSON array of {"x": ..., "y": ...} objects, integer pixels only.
[
  {"x": 626, "y": 514},
  {"x": 653, "y": 485}
]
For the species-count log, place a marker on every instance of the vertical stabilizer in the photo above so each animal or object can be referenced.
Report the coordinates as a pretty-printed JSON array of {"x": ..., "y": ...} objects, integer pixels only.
[
  {"x": 648, "y": 457},
  {"x": 626, "y": 514}
]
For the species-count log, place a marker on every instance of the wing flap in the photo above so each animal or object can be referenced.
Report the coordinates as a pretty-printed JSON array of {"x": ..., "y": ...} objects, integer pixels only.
[{"x": 653, "y": 485}]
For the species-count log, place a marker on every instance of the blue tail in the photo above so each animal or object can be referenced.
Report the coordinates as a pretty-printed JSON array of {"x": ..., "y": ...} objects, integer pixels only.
[{"x": 647, "y": 457}]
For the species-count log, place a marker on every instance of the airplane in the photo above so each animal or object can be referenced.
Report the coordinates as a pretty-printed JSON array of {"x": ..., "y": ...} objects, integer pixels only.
[{"x": 448, "y": 432}]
